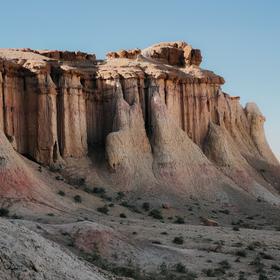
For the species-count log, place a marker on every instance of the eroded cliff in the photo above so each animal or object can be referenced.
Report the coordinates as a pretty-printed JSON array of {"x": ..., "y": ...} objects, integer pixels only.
[{"x": 160, "y": 118}]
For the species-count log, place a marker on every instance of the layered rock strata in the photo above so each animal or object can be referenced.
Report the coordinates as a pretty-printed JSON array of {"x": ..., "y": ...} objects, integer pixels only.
[{"x": 160, "y": 117}]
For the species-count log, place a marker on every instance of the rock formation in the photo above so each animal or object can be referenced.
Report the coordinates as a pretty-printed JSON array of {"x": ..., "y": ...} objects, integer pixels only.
[{"x": 161, "y": 119}]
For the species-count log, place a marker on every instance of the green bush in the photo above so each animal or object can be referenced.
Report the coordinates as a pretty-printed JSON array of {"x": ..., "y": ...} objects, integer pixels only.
[
  {"x": 179, "y": 220},
  {"x": 126, "y": 271},
  {"x": 156, "y": 214},
  {"x": 146, "y": 206},
  {"x": 104, "y": 209},
  {"x": 163, "y": 268},
  {"x": 224, "y": 211},
  {"x": 4, "y": 212},
  {"x": 122, "y": 215},
  {"x": 61, "y": 193},
  {"x": 98, "y": 190},
  {"x": 120, "y": 195},
  {"x": 180, "y": 268},
  {"x": 77, "y": 198},
  {"x": 214, "y": 272},
  {"x": 130, "y": 207},
  {"x": 225, "y": 264},
  {"x": 266, "y": 256},
  {"x": 178, "y": 240},
  {"x": 241, "y": 253}
]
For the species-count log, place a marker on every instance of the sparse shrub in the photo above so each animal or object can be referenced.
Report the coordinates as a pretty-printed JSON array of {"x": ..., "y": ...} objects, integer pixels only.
[
  {"x": 81, "y": 181},
  {"x": 225, "y": 264},
  {"x": 4, "y": 212},
  {"x": 275, "y": 267},
  {"x": 180, "y": 268},
  {"x": 133, "y": 272},
  {"x": 61, "y": 193},
  {"x": 77, "y": 198},
  {"x": 178, "y": 240},
  {"x": 146, "y": 206},
  {"x": 59, "y": 178},
  {"x": 104, "y": 209},
  {"x": 78, "y": 181},
  {"x": 96, "y": 259},
  {"x": 262, "y": 276},
  {"x": 55, "y": 167},
  {"x": 164, "y": 233},
  {"x": 87, "y": 189},
  {"x": 106, "y": 197},
  {"x": 127, "y": 271},
  {"x": 156, "y": 242},
  {"x": 250, "y": 217},
  {"x": 237, "y": 244},
  {"x": 241, "y": 275},
  {"x": 235, "y": 228},
  {"x": 50, "y": 214},
  {"x": 179, "y": 220},
  {"x": 122, "y": 215},
  {"x": 213, "y": 272},
  {"x": 163, "y": 268},
  {"x": 156, "y": 214},
  {"x": 266, "y": 256},
  {"x": 241, "y": 253},
  {"x": 71, "y": 243},
  {"x": 189, "y": 276},
  {"x": 224, "y": 211},
  {"x": 218, "y": 242},
  {"x": 120, "y": 195},
  {"x": 252, "y": 246},
  {"x": 98, "y": 190},
  {"x": 16, "y": 217},
  {"x": 130, "y": 207}
]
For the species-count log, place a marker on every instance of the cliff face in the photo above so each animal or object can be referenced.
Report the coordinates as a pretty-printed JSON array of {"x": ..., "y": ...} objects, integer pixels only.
[{"x": 161, "y": 119}]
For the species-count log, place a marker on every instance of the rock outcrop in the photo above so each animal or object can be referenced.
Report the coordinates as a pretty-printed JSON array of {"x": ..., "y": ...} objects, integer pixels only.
[
  {"x": 27, "y": 255},
  {"x": 161, "y": 119}
]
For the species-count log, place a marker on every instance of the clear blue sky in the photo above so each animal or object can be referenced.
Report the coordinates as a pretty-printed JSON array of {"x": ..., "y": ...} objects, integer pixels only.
[{"x": 239, "y": 39}]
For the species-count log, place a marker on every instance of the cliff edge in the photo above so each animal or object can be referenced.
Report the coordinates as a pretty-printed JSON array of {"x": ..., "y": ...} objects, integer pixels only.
[{"x": 159, "y": 122}]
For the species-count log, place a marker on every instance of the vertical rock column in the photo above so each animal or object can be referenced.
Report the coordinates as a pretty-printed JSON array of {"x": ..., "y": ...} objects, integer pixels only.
[
  {"x": 12, "y": 112},
  {"x": 72, "y": 117},
  {"x": 1, "y": 100},
  {"x": 47, "y": 147}
]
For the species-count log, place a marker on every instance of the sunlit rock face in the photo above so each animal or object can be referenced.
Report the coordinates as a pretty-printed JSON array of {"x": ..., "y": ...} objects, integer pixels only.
[{"x": 160, "y": 117}]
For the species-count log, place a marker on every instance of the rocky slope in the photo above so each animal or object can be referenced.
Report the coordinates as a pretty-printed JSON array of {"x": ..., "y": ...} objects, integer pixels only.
[
  {"x": 26, "y": 255},
  {"x": 159, "y": 120}
]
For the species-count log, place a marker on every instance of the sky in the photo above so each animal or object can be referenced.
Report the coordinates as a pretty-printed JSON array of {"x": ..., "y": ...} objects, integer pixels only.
[{"x": 239, "y": 40}]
